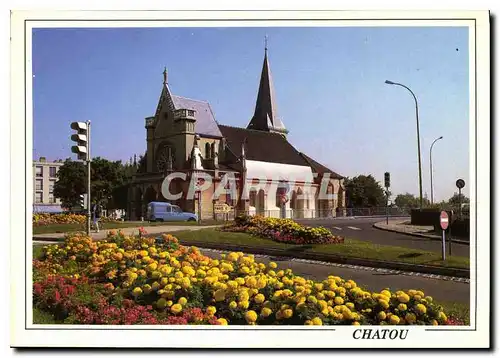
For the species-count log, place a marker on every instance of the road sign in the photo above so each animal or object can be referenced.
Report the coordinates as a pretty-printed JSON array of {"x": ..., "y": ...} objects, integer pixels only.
[
  {"x": 460, "y": 183},
  {"x": 444, "y": 220}
]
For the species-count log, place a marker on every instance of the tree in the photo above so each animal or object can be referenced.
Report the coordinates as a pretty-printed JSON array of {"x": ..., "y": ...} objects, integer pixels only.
[
  {"x": 363, "y": 192},
  {"x": 71, "y": 183},
  {"x": 106, "y": 178},
  {"x": 408, "y": 200},
  {"x": 456, "y": 199}
]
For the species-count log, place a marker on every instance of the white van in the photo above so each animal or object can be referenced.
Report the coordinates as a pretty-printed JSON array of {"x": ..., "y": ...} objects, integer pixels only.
[{"x": 161, "y": 211}]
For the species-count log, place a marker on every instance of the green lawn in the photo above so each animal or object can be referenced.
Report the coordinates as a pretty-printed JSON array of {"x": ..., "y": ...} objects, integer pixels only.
[
  {"x": 64, "y": 228},
  {"x": 350, "y": 248}
]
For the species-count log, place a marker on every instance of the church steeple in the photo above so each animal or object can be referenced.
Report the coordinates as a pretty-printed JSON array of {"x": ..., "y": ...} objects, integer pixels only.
[{"x": 266, "y": 117}]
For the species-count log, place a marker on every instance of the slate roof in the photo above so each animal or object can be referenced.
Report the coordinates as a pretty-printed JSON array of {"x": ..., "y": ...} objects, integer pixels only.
[
  {"x": 205, "y": 120},
  {"x": 320, "y": 168},
  {"x": 266, "y": 112},
  {"x": 262, "y": 146}
]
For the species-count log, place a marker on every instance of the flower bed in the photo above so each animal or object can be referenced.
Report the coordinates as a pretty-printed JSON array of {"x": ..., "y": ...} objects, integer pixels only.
[
  {"x": 52, "y": 219},
  {"x": 282, "y": 230},
  {"x": 144, "y": 280}
]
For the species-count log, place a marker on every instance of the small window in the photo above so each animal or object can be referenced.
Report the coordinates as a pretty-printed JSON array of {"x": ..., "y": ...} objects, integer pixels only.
[
  {"x": 52, "y": 172},
  {"x": 207, "y": 150},
  {"x": 51, "y": 186},
  {"x": 39, "y": 171},
  {"x": 52, "y": 200},
  {"x": 168, "y": 208},
  {"x": 253, "y": 197},
  {"x": 38, "y": 197},
  {"x": 212, "y": 150},
  {"x": 39, "y": 184},
  {"x": 176, "y": 209}
]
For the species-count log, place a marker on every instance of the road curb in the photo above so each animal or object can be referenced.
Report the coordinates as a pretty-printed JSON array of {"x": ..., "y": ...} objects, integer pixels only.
[
  {"x": 391, "y": 265},
  {"x": 426, "y": 236}
]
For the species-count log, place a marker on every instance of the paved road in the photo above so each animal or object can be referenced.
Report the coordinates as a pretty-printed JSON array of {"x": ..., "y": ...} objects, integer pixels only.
[
  {"x": 441, "y": 289},
  {"x": 362, "y": 229}
]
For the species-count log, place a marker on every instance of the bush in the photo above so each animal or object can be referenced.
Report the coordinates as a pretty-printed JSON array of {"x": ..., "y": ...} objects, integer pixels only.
[
  {"x": 283, "y": 230},
  {"x": 141, "y": 280}
]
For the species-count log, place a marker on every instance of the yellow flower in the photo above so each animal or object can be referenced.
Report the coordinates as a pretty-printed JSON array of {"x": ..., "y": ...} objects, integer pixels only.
[
  {"x": 383, "y": 303},
  {"x": 381, "y": 315},
  {"x": 312, "y": 299},
  {"x": 434, "y": 322},
  {"x": 259, "y": 298},
  {"x": 273, "y": 265},
  {"x": 308, "y": 323},
  {"x": 442, "y": 317},
  {"x": 211, "y": 310},
  {"x": 176, "y": 308},
  {"x": 287, "y": 313},
  {"x": 403, "y": 298},
  {"x": 136, "y": 291},
  {"x": 394, "y": 319},
  {"x": 338, "y": 301},
  {"x": 222, "y": 321},
  {"x": 402, "y": 307},
  {"x": 317, "y": 321},
  {"x": 429, "y": 299},
  {"x": 251, "y": 316},
  {"x": 243, "y": 304},
  {"x": 355, "y": 323},
  {"x": 265, "y": 312},
  {"x": 386, "y": 293},
  {"x": 233, "y": 305},
  {"x": 182, "y": 301},
  {"x": 421, "y": 308}
]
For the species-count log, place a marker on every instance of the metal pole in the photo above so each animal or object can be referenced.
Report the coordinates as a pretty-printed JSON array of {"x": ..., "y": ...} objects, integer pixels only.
[
  {"x": 449, "y": 240},
  {"x": 418, "y": 139},
  {"x": 432, "y": 187},
  {"x": 387, "y": 207},
  {"x": 460, "y": 203},
  {"x": 443, "y": 249},
  {"x": 88, "y": 178}
]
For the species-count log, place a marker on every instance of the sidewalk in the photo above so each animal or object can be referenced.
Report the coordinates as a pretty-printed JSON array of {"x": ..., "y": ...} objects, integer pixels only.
[
  {"x": 127, "y": 231},
  {"x": 404, "y": 227}
]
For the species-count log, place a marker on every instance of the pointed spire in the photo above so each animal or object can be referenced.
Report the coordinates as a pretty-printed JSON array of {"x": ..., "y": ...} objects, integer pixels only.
[
  {"x": 266, "y": 117},
  {"x": 165, "y": 76}
]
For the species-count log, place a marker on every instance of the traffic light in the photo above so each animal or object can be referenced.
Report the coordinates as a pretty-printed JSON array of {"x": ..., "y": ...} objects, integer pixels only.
[
  {"x": 387, "y": 179},
  {"x": 83, "y": 201},
  {"x": 81, "y": 139}
]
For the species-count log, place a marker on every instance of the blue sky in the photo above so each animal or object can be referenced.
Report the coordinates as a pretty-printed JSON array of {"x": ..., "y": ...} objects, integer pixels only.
[{"x": 329, "y": 86}]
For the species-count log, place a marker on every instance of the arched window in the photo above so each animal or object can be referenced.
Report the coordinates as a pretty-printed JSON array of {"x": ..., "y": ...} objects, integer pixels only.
[
  {"x": 253, "y": 196},
  {"x": 207, "y": 150},
  {"x": 212, "y": 150}
]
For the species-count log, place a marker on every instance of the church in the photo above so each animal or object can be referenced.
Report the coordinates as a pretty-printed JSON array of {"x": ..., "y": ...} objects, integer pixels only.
[{"x": 273, "y": 178}]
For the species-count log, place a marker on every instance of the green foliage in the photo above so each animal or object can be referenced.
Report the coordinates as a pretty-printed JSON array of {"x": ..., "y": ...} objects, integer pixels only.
[
  {"x": 364, "y": 191},
  {"x": 456, "y": 199},
  {"x": 109, "y": 182}
]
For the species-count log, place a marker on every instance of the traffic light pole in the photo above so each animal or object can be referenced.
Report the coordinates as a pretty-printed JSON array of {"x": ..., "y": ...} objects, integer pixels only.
[{"x": 88, "y": 179}]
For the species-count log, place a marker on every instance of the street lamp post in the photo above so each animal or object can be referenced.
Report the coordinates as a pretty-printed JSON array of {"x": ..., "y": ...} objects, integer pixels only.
[
  {"x": 432, "y": 188},
  {"x": 418, "y": 138}
]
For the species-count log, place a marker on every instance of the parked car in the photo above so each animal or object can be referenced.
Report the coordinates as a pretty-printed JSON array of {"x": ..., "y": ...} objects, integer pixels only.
[{"x": 160, "y": 211}]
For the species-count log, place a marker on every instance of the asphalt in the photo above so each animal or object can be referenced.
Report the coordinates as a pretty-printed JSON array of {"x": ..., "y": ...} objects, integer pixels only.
[{"x": 362, "y": 229}]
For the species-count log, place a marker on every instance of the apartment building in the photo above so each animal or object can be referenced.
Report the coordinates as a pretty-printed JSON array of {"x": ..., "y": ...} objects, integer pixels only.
[{"x": 44, "y": 178}]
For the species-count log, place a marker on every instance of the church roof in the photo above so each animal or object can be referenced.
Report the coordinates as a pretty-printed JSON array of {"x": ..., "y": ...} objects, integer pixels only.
[
  {"x": 320, "y": 168},
  {"x": 262, "y": 146},
  {"x": 205, "y": 120},
  {"x": 266, "y": 116}
]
